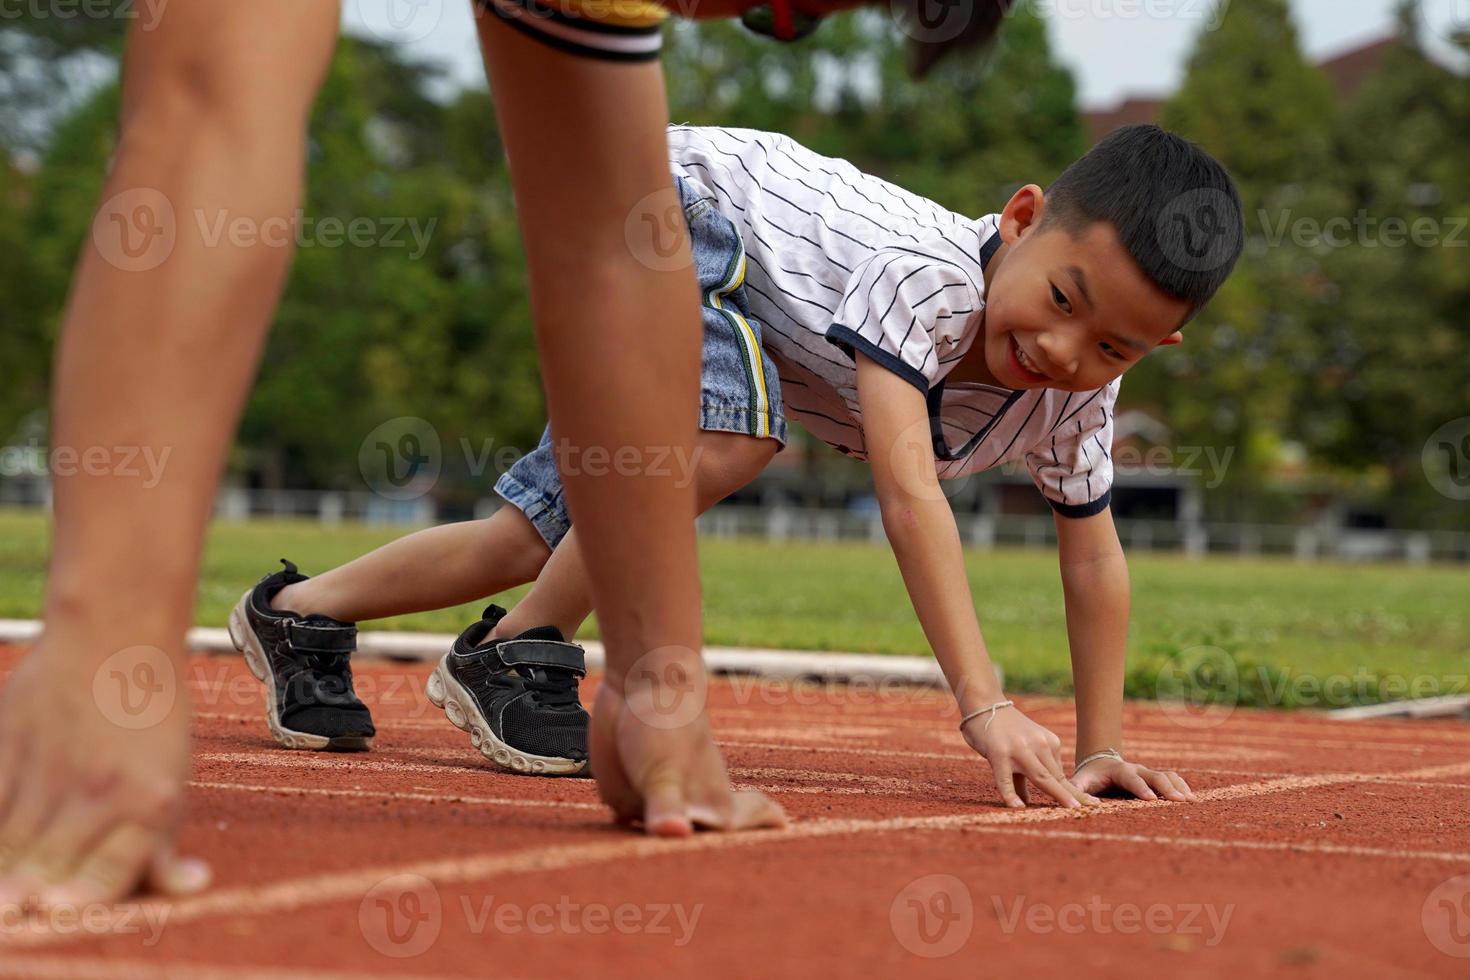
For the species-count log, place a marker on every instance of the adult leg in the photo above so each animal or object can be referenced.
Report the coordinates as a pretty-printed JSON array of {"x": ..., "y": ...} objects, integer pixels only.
[
  {"x": 161, "y": 337},
  {"x": 588, "y": 156}
]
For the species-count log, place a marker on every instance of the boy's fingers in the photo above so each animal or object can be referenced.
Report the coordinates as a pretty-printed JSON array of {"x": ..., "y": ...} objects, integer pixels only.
[
  {"x": 1137, "y": 785},
  {"x": 1180, "y": 786},
  {"x": 1058, "y": 789},
  {"x": 1008, "y": 783},
  {"x": 1164, "y": 786},
  {"x": 1058, "y": 774}
]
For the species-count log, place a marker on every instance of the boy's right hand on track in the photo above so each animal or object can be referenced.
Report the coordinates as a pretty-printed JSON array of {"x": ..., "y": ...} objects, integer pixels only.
[
  {"x": 656, "y": 762},
  {"x": 1019, "y": 750},
  {"x": 89, "y": 805}
]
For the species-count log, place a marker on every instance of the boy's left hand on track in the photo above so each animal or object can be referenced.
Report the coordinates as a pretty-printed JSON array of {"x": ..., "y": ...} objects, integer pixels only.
[{"x": 1118, "y": 775}]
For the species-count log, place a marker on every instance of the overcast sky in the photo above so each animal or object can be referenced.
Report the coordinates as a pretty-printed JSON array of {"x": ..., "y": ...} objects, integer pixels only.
[{"x": 1115, "y": 47}]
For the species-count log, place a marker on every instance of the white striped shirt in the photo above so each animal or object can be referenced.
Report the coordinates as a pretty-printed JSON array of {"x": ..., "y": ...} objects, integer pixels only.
[{"x": 839, "y": 260}]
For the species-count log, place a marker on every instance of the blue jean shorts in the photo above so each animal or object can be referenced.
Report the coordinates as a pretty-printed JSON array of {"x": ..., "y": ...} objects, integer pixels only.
[{"x": 739, "y": 389}]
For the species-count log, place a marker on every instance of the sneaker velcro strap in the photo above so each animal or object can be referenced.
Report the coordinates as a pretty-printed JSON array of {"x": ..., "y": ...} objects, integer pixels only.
[
  {"x": 543, "y": 653},
  {"x": 322, "y": 637}
]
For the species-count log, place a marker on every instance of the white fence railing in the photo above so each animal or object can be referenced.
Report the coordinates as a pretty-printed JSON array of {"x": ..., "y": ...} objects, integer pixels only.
[{"x": 782, "y": 523}]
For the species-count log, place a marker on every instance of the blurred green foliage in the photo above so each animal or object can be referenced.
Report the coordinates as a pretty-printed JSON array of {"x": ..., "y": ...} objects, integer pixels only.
[{"x": 1344, "y": 355}]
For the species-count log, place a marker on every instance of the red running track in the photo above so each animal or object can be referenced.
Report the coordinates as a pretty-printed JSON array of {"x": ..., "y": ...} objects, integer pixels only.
[{"x": 1321, "y": 849}]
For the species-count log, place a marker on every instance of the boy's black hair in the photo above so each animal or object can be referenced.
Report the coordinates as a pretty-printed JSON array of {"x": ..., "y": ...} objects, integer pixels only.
[{"x": 1174, "y": 206}]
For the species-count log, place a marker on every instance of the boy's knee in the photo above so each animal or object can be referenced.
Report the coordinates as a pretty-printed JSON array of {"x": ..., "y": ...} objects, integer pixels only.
[{"x": 729, "y": 461}]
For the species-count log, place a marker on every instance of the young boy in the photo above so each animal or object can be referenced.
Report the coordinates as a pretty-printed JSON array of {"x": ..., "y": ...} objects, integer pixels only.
[{"x": 930, "y": 344}]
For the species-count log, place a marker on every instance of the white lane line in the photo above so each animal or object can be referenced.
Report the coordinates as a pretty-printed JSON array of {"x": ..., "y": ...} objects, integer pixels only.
[
  {"x": 31, "y": 967},
  {"x": 368, "y": 794},
  {"x": 298, "y": 760},
  {"x": 1297, "y": 847},
  {"x": 319, "y": 889}
]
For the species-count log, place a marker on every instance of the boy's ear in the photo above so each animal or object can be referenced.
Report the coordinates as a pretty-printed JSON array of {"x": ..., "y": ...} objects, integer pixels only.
[
  {"x": 1023, "y": 211},
  {"x": 1174, "y": 338}
]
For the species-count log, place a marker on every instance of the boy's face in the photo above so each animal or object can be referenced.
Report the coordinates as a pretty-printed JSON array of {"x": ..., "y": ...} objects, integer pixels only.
[{"x": 1069, "y": 312}]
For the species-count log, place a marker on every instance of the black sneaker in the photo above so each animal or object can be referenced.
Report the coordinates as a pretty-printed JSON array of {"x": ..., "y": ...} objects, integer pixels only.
[
  {"x": 303, "y": 663},
  {"x": 517, "y": 698}
]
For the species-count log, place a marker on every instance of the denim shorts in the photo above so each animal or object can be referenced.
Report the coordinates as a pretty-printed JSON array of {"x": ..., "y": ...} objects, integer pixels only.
[{"x": 739, "y": 389}]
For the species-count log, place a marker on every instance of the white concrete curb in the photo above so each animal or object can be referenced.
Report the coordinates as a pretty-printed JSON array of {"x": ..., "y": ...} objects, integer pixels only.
[
  {"x": 1451, "y": 706},
  {"x": 865, "y": 668}
]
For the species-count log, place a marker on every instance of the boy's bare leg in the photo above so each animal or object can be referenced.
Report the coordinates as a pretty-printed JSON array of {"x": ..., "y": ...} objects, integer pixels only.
[
  {"x": 156, "y": 356},
  {"x": 727, "y": 461},
  {"x": 429, "y": 569},
  {"x": 588, "y": 154}
]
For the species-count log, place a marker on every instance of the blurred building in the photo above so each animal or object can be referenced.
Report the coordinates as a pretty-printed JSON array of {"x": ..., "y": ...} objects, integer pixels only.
[{"x": 1346, "y": 71}]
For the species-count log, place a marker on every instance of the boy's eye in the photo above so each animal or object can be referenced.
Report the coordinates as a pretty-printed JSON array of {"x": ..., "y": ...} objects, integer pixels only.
[
  {"x": 1060, "y": 298},
  {"x": 1112, "y": 352}
]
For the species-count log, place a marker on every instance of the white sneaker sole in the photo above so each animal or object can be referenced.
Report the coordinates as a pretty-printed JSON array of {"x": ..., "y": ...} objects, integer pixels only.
[
  {"x": 244, "y": 639},
  {"x": 464, "y": 713}
]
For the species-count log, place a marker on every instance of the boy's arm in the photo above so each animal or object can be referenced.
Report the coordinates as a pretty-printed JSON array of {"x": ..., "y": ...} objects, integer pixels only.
[
  {"x": 1096, "y": 590},
  {"x": 921, "y": 529}
]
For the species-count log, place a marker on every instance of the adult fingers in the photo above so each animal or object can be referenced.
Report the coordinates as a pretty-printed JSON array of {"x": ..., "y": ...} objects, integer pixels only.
[
  {"x": 110, "y": 871},
  {"x": 753, "y": 810},
  {"x": 665, "y": 812}
]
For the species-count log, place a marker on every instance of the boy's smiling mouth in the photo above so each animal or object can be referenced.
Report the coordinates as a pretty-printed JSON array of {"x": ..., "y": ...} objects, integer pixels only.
[{"x": 1023, "y": 366}]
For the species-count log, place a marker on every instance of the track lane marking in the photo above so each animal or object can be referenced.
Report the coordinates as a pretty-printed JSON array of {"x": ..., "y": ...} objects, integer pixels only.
[{"x": 324, "y": 888}]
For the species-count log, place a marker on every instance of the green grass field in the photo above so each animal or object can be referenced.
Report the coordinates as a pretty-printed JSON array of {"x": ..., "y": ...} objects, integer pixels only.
[{"x": 1280, "y": 622}]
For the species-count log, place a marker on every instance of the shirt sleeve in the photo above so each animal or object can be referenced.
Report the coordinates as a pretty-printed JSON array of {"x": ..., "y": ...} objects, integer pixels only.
[
  {"x": 899, "y": 308},
  {"x": 1073, "y": 464}
]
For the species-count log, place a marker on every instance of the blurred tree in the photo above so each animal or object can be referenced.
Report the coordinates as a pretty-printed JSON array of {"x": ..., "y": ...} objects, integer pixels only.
[
  {"x": 1397, "y": 360},
  {"x": 425, "y": 315},
  {"x": 22, "y": 335},
  {"x": 1252, "y": 100}
]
